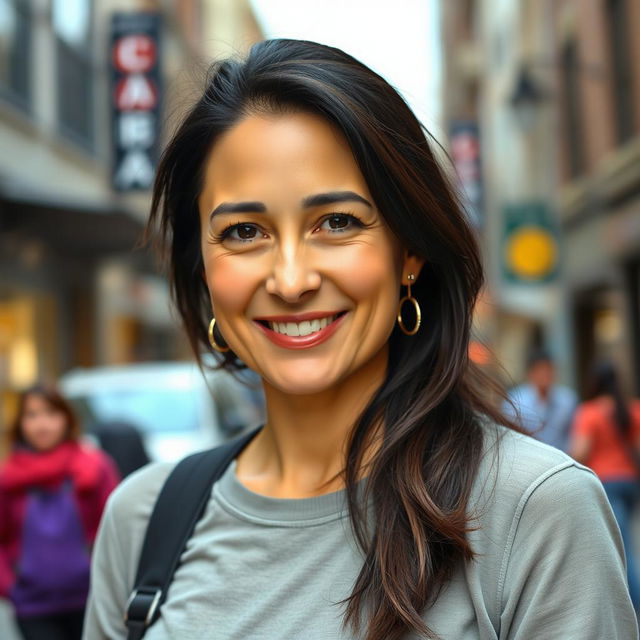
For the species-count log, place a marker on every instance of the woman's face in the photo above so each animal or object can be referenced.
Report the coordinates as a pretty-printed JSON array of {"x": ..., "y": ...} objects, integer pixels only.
[
  {"x": 43, "y": 426},
  {"x": 303, "y": 273}
]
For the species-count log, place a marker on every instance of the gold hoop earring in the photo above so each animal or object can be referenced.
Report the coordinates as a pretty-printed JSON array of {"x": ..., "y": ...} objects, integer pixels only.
[
  {"x": 212, "y": 340},
  {"x": 416, "y": 307}
]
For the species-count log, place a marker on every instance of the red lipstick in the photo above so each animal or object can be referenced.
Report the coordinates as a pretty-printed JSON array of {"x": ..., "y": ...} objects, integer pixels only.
[{"x": 300, "y": 342}]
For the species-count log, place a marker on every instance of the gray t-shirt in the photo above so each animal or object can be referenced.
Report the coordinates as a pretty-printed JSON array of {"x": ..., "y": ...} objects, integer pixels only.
[{"x": 549, "y": 561}]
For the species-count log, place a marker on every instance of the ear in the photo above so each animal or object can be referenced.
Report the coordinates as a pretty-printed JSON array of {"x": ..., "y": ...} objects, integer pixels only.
[{"x": 411, "y": 265}]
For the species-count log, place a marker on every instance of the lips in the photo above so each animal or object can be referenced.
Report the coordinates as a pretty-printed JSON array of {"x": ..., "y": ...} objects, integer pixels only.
[{"x": 301, "y": 331}]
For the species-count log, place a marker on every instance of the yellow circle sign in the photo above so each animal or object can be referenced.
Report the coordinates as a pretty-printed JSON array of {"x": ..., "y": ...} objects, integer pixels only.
[{"x": 531, "y": 252}]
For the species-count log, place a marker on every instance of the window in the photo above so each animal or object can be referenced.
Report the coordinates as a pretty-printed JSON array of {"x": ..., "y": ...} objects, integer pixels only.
[
  {"x": 71, "y": 21},
  {"x": 620, "y": 68},
  {"x": 571, "y": 108},
  {"x": 15, "y": 40}
]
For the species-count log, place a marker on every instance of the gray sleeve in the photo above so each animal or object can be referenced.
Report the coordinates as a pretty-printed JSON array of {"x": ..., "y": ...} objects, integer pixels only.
[
  {"x": 109, "y": 589},
  {"x": 563, "y": 574},
  {"x": 117, "y": 549}
]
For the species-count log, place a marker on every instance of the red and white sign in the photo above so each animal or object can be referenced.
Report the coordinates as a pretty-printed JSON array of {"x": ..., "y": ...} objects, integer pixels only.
[
  {"x": 136, "y": 92},
  {"x": 136, "y": 99},
  {"x": 135, "y": 54}
]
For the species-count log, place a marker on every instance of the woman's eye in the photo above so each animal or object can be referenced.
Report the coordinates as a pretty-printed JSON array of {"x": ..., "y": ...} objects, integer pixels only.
[
  {"x": 241, "y": 232},
  {"x": 337, "y": 222}
]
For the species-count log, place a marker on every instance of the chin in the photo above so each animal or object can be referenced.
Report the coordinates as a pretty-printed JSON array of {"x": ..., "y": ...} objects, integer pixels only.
[{"x": 299, "y": 381}]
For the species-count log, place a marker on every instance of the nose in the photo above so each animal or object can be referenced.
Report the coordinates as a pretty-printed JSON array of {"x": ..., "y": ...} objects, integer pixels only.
[{"x": 292, "y": 275}]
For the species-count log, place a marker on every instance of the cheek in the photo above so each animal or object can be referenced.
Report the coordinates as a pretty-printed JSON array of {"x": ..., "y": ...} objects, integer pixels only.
[
  {"x": 59, "y": 425},
  {"x": 370, "y": 273},
  {"x": 231, "y": 283},
  {"x": 27, "y": 426}
]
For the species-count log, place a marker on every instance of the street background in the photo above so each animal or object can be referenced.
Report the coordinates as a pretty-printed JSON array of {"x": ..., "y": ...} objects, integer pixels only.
[{"x": 536, "y": 103}]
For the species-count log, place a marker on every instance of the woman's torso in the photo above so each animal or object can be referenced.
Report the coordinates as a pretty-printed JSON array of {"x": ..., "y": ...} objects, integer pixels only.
[
  {"x": 263, "y": 568},
  {"x": 50, "y": 509}
]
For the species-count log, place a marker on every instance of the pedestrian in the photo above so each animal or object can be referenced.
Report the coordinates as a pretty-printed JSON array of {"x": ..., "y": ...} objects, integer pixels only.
[
  {"x": 541, "y": 406},
  {"x": 52, "y": 493},
  {"x": 313, "y": 236},
  {"x": 606, "y": 438},
  {"x": 124, "y": 444}
]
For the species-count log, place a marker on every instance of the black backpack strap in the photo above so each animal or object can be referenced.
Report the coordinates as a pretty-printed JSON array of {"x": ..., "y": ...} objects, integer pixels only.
[{"x": 178, "y": 508}]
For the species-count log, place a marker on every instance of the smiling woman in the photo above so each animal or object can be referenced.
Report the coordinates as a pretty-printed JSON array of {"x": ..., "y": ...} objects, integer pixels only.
[{"x": 314, "y": 238}]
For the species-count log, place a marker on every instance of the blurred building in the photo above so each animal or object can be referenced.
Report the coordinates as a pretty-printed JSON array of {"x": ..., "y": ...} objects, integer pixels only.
[
  {"x": 74, "y": 290},
  {"x": 553, "y": 88},
  {"x": 598, "y": 202}
]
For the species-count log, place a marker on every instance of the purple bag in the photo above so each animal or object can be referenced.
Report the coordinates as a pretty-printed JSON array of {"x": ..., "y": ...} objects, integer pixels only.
[{"x": 52, "y": 575}]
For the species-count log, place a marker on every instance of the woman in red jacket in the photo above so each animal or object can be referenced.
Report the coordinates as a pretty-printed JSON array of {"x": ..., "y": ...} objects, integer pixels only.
[{"x": 52, "y": 494}]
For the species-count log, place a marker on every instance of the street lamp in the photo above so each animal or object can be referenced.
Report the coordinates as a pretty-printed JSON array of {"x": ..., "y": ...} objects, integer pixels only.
[{"x": 526, "y": 97}]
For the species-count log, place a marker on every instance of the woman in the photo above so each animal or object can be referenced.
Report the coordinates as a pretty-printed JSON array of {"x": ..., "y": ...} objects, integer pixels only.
[
  {"x": 606, "y": 438},
  {"x": 314, "y": 238},
  {"x": 52, "y": 494}
]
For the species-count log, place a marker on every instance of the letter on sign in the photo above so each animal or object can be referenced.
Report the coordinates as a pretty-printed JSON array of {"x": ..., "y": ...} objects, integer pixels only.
[
  {"x": 135, "y": 54},
  {"x": 135, "y": 170}
]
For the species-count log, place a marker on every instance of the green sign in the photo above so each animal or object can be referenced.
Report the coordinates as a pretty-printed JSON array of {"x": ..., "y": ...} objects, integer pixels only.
[{"x": 530, "y": 247}]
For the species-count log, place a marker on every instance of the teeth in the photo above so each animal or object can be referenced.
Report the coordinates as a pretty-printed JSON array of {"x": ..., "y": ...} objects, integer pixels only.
[{"x": 301, "y": 328}]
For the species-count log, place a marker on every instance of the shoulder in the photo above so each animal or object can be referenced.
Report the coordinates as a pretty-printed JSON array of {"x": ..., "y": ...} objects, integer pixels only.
[
  {"x": 565, "y": 394},
  {"x": 517, "y": 459},
  {"x": 91, "y": 454},
  {"x": 124, "y": 524},
  {"x": 133, "y": 499},
  {"x": 515, "y": 468},
  {"x": 526, "y": 495},
  {"x": 5, "y": 465},
  {"x": 589, "y": 411},
  {"x": 519, "y": 391}
]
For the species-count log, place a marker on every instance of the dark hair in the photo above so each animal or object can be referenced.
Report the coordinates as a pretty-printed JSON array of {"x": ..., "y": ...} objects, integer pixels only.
[
  {"x": 426, "y": 413},
  {"x": 537, "y": 356},
  {"x": 603, "y": 381},
  {"x": 55, "y": 400}
]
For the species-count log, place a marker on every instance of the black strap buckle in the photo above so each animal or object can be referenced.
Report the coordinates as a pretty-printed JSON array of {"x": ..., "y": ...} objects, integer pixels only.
[{"x": 142, "y": 605}]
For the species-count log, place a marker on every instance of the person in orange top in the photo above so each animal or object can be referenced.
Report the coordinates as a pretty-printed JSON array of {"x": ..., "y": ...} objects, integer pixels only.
[{"x": 606, "y": 438}]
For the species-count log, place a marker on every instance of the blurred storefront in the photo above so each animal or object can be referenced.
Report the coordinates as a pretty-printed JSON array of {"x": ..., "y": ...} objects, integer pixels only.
[
  {"x": 599, "y": 197},
  {"x": 74, "y": 289},
  {"x": 554, "y": 86}
]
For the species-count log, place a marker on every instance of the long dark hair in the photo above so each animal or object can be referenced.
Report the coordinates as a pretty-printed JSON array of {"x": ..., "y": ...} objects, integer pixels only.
[
  {"x": 427, "y": 413},
  {"x": 603, "y": 381}
]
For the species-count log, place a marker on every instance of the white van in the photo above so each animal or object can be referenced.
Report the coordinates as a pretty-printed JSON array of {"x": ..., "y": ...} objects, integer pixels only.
[{"x": 175, "y": 407}]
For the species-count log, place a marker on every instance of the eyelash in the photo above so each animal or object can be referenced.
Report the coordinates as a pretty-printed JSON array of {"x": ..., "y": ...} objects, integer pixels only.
[{"x": 225, "y": 233}]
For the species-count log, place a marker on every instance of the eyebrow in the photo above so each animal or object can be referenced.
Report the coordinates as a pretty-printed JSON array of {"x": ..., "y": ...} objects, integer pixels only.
[
  {"x": 332, "y": 197},
  {"x": 317, "y": 200}
]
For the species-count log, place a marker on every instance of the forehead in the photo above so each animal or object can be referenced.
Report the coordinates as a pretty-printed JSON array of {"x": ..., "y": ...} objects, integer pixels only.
[
  {"x": 280, "y": 154},
  {"x": 36, "y": 400}
]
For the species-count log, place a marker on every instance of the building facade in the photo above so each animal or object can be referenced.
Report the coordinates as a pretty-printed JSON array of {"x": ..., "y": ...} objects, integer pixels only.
[
  {"x": 75, "y": 287},
  {"x": 554, "y": 88}
]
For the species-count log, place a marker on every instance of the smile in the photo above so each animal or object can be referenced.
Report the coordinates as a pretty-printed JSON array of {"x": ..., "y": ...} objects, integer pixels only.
[
  {"x": 304, "y": 328},
  {"x": 302, "y": 331}
]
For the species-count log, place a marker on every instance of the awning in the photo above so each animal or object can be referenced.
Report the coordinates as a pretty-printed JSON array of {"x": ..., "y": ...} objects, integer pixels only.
[{"x": 82, "y": 228}]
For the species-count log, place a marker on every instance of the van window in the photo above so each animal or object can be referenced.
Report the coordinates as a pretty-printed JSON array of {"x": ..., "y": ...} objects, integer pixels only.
[{"x": 149, "y": 410}]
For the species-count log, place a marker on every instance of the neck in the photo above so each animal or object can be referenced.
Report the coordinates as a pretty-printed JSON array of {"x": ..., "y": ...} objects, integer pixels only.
[
  {"x": 301, "y": 450},
  {"x": 543, "y": 393}
]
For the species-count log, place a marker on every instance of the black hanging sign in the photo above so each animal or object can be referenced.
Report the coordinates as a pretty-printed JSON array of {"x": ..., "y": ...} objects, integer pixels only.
[{"x": 135, "y": 95}]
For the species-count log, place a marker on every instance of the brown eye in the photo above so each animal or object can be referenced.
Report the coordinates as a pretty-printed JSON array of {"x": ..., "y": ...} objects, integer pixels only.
[
  {"x": 247, "y": 232},
  {"x": 338, "y": 222},
  {"x": 242, "y": 233}
]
